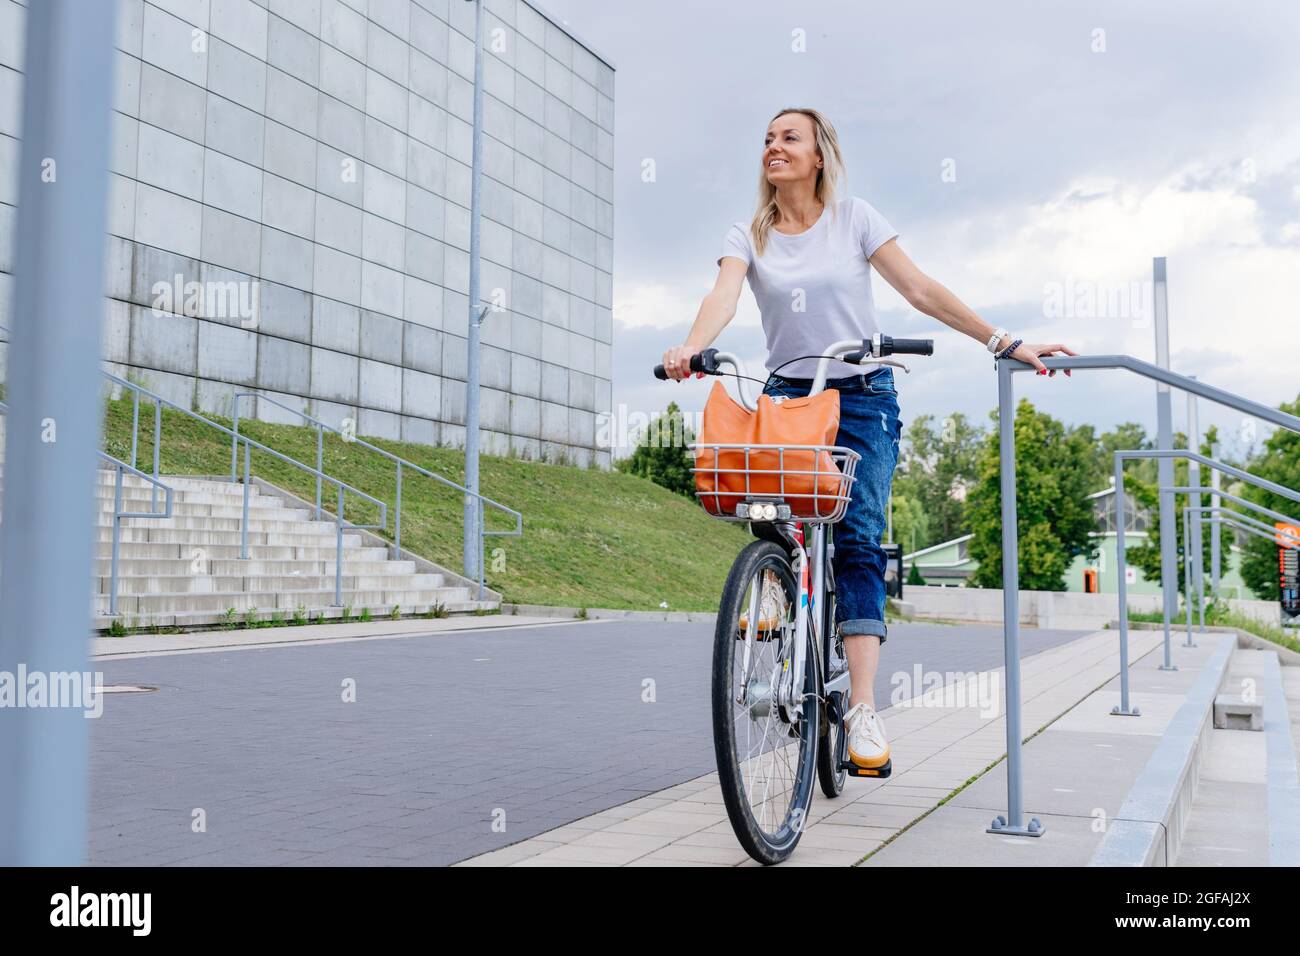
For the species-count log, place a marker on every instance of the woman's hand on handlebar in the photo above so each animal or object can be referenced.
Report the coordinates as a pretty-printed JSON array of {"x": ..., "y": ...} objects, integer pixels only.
[{"x": 677, "y": 362}]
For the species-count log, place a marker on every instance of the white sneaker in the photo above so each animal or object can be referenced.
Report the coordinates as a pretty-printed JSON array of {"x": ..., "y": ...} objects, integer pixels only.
[{"x": 867, "y": 744}]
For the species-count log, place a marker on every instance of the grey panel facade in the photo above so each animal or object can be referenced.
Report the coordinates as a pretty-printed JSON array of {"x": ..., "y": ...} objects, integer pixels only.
[{"x": 289, "y": 213}]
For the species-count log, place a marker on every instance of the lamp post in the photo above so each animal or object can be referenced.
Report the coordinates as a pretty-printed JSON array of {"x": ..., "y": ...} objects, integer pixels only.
[{"x": 473, "y": 532}]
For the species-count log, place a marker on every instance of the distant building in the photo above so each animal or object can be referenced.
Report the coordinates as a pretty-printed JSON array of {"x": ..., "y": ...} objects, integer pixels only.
[{"x": 949, "y": 564}]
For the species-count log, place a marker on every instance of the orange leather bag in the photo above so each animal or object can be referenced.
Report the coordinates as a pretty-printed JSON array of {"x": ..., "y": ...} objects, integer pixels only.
[{"x": 720, "y": 473}]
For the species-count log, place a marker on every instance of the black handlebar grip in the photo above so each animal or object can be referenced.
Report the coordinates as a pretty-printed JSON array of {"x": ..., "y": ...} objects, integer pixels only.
[
  {"x": 913, "y": 346},
  {"x": 700, "y": 362}
]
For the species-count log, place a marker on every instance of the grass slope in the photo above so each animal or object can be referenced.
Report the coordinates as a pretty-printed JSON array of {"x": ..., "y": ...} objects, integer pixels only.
[{"x": 591, "y": 538}]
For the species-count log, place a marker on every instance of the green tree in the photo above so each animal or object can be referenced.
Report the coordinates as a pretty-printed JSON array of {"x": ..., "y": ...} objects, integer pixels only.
[
  {"x": 1279, "y": 462},
  {"x": 914, "y": 577},
  {"x": 1129, "y": 436},
  {"x": 1146, "y": 555},
  {"x": 661, "y": 453},
  {"x": 911, "y": 523},
  {"x": 938, "y": 466},
  {"x": 1056, "y": 469}
]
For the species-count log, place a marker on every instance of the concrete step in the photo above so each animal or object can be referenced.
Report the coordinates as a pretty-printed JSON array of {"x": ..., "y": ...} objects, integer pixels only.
[
  {"x": 253, "y": 584},
  {"x": 136, "y": 567},
  {"x": 145, "y": 532},
  {"x": 179, "y": 603},
  {"x": 202, "y": 523},
  {"x": 184, "y": 509},
  {"x": 321, "y": 612},
  {"x": 189, "y": 551}
]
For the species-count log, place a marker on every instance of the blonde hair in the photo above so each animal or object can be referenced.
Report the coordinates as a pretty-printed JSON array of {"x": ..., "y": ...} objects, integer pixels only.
[{"x": 828, "y": 177}]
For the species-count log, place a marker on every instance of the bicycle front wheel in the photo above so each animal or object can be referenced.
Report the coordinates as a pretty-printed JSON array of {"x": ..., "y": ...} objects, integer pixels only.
[{"x": 766, "y": 746}]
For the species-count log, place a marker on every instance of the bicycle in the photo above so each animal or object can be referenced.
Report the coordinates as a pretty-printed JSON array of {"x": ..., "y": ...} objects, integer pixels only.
[{"x": 776, "y": 615}]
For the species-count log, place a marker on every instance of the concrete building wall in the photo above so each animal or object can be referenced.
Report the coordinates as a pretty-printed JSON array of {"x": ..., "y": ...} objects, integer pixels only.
[{"x": 289, "y": 214}]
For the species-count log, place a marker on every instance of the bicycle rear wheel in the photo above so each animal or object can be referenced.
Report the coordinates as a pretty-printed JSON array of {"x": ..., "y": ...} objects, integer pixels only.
[{"x": 766, "y": 752}]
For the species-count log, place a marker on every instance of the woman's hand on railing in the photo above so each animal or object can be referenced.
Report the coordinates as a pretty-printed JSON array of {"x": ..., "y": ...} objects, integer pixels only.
[{"x": 1032, "y": 354}]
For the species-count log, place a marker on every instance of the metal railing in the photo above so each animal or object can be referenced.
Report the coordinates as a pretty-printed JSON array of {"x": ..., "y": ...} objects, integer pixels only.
[
  {"x": 120, "y": 467},
  {"x": 1234, "y": 519},
  {"x": 402, "y": 465},
  {"x": 1013, "y": 822},
  {"x": 249, "y": 445}
]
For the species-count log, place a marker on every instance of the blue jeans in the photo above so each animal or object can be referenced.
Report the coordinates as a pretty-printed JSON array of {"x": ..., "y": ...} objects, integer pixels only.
[{"x": 869, "y": 424}]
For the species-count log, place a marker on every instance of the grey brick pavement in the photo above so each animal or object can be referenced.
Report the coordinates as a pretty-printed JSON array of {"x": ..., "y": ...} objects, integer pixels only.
[{"x": 546, "y": 724}]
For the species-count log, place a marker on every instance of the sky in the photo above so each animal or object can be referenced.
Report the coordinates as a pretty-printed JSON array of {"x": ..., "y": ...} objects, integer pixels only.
[{"x": 1079, "y": 141}]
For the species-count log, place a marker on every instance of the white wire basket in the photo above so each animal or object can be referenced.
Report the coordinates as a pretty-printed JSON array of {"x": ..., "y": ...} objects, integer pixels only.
[{"x": 808, "y": 483}]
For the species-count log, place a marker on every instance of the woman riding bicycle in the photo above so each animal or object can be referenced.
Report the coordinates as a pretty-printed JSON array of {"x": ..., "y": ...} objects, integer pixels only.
[{"x": 808, "y": 257}]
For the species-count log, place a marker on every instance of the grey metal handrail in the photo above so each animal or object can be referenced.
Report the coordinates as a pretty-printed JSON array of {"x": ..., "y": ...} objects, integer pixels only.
[
  {"x": 1012, "y": 823},
  {"x": 121, "y": 467},
  {"x": 402, "y": 464},
  {"x": 1122, "y": 588},
  {"x": 1213, "y": 515},
  {"x": 118, "y": 514},
  {"x": 249, "y": 444}
]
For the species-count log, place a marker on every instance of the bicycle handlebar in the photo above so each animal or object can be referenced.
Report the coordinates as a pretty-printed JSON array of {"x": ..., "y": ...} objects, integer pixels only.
[{"x": 878, "y": 346}]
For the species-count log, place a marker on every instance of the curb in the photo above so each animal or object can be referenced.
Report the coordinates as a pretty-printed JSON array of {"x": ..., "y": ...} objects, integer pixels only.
[
  {"x": 614, "y": 614},
  {"x": 1149, "y": 825}
]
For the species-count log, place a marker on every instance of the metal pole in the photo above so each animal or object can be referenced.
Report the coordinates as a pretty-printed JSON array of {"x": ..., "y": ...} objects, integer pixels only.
[
  {"x": 243, "y": 525},
  {"x": 397, "y": 521},
  {"x": 117, "y": 538},
  {"x": 338, "y": 552},
  {"x": 1121, "y": 586},
  {"x": 1196, "y": 501},
  {"x": 54, "y": 421},
  {"x": 1187, "y": 574},
  {"x": 472, "y": 544},
  {"x": 1011, "y": 823},
  {"x": 1165, "y": 467},
  {"x": 1216, "y": 482},
  {"x": 481, "y": 540},
  {"x": 157, "y": 450},
  {"x": 320, "y": 464},
  {"x": 135, "y": 425},
  {"x": 234, "y": 441}
]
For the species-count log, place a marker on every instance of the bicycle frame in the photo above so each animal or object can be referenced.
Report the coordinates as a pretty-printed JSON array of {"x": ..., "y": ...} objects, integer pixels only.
[{"x": 809, "y": 559}]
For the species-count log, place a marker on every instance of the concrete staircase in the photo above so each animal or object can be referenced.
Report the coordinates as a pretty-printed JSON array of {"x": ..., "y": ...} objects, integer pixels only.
[{"x": 186, "y": 570}]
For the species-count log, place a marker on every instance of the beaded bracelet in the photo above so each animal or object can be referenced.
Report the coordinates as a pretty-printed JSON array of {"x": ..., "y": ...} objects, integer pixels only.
[{"x": 1006, "y": 352}]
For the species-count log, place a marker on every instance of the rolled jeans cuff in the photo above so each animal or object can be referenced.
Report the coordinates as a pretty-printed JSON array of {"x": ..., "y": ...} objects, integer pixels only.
[{"x": 864, "y": 625}]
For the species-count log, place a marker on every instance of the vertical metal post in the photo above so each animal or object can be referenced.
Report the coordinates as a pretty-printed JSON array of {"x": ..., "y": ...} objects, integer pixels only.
[
  {"x": 1165, "y": 466},
  {"x": 397, "y": 521},
  {"x": 1194, "y": 547},
  {"x": 1215, "y": 539},
  {"x": 320, "y": 464},
  {"x": 157, "y": 450},
  {"x": 53, "y": 427},
  {"x": 135, "y": 425},
  {"x": 1187, "y": 570},
  {"x": 234, "y": 441},
  {"x": 1121, "y": 586},
  {"x": 481, "y": 542},
  {"x": 243, "y": 525},
  {"x": 1011, "y": 823},
  {"x": 117, "y": 539},
  {"x": 338, "y": 552},
  {"x": 472, "y": 532}
]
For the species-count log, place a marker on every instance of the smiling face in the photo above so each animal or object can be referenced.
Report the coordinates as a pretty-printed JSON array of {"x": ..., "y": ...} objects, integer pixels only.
[{"x": 790, "y": 150}]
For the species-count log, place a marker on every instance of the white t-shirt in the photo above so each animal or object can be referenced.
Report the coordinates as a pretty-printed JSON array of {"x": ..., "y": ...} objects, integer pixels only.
[{"x": 814, "y": 289}]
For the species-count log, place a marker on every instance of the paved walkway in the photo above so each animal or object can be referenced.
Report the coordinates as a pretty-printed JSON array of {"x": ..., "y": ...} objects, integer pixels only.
[
  {"x": 936, "y": 750},
  {"x": 466, "y": 734}
]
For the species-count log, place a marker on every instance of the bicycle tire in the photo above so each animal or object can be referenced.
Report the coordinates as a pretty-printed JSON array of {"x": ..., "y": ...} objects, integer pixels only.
[
  {"x": 765, "y": 847},
  {"x": 829, "y": 774}
]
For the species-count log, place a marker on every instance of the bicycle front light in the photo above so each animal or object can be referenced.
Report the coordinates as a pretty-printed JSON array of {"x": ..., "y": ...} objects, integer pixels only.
[{"x": 762, "y": 511}]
